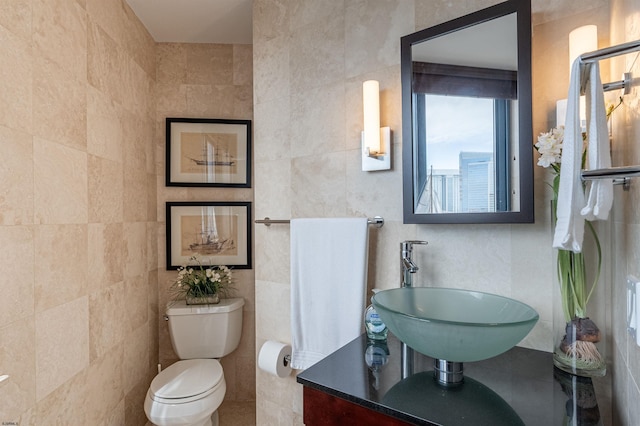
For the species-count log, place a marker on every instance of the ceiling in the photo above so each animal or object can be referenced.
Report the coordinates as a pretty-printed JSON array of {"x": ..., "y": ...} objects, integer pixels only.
[{"x": 196, "y": 21}]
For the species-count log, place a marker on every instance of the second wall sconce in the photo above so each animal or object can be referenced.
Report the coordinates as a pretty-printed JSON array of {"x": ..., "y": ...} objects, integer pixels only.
[
  {"x": 581, "y": 40},
  {"x": 376, "y": 141}
]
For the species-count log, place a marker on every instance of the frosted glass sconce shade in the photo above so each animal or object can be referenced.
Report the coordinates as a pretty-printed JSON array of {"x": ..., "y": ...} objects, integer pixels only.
[
  {"x": 582, "y": 40},
  {"x": 376, "y": 149}
]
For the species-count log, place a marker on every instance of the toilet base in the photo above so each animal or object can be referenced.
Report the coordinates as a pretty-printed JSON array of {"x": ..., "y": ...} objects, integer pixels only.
[{"x": 211, "y": 421}]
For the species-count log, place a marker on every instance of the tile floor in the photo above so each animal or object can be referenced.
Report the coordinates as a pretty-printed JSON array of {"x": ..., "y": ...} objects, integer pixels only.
[{"x": 237, "y": 413}]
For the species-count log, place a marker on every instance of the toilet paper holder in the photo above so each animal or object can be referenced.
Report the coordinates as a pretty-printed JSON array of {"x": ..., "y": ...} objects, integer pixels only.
[{"x": 275, "y": 358}]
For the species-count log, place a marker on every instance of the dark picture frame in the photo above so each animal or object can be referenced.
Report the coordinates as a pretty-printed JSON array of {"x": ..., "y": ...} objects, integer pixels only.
[
  {"x": 219, "y": 232},
  {"x": 208, "y": 152}
]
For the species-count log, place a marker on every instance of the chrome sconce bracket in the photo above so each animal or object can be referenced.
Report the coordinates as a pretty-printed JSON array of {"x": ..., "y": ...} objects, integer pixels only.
[{"x": 381, "y": 160}]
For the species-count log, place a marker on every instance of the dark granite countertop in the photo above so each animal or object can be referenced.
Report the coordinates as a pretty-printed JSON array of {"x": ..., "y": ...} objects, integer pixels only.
[{"x": 520, "y": 386}]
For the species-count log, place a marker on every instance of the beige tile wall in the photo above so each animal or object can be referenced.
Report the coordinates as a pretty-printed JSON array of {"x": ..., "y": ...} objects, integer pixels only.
[
  {"x": 309, "y": 64},
  {"x": 78, "y": 256},
  {"x": 625, "y": 26},
  {"x": 205, "y": 81},
  {"x": 82, "y": 253},
  {"x": 82, "y": 205}
]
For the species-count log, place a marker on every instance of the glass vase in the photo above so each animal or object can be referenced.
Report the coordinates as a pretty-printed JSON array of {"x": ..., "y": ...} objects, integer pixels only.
[{"x": 580, "y": 331}]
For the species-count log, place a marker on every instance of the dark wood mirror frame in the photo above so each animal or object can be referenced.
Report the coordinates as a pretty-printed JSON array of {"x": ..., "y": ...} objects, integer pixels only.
[{"x": 525, "y": 214}]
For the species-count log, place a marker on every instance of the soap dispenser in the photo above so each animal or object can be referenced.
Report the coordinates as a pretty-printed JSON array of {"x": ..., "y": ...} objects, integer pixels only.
[{"x": 375, "y": 328}]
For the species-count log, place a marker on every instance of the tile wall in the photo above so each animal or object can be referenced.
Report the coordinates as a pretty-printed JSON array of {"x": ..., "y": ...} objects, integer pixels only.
[
  {"x": 84, "y": 91},
  {"x": 625, "y": 26},
  {"x": 78, "y": 230},
  {"x": 205, "y": 81}
]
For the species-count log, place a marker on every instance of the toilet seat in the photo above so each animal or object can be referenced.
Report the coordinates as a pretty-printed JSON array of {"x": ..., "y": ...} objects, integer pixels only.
[{"x": 187, "y": 381}]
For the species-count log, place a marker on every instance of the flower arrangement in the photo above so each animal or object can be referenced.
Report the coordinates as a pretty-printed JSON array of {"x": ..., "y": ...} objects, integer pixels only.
[
  {"x": 199, "y": 284},
  {"x": 576, "y": 352}
]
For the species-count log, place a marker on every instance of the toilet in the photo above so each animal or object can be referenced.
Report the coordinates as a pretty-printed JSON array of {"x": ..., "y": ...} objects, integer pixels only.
[{"x": 189, "y": 392}]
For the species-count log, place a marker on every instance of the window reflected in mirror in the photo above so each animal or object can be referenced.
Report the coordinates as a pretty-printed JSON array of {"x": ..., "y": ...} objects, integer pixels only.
[{"x": 460, "y": 140}]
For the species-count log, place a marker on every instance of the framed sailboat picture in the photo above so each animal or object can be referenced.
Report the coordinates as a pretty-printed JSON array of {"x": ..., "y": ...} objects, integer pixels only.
[
  {"x": 208, "y": 152},
  {"x": 218, "y": 232}
]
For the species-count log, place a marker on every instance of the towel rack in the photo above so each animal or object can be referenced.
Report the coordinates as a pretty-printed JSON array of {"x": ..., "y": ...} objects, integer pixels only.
[
  {"x": 377, "y": 221},
  {"x": 609, "y": 52},
  {"x": 620, "y": 175}
]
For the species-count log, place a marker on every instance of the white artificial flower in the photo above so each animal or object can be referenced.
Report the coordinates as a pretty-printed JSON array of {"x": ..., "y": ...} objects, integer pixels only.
[{"x": 550, "y": 147}]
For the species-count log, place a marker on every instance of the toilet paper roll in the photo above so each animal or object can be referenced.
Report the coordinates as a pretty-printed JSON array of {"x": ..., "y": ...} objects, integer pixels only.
[{"x": 274, "y": 358}]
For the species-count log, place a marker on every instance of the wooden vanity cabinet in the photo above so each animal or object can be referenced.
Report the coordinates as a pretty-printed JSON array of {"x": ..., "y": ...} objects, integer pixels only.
[{"x": 322, "y": 409}]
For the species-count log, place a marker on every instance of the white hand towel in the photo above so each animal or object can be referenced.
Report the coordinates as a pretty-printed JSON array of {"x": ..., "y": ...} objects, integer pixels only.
[
  {"x": 600, "y": 197},
  {"x": 569, "y": 230},
  {"x": 328, "y": 282}
]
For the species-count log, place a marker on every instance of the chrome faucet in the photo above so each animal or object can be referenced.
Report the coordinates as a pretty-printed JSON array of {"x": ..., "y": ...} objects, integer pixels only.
[
  {"x": 408, "y": 268},
  {"x": 407, "y": 265}
]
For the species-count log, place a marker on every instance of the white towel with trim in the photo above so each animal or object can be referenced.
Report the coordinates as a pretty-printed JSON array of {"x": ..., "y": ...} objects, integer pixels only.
[
  {"x": 328, "y": 285},
  {"x": 569, "y": 230},
  {"x": 600, "y": 197}
]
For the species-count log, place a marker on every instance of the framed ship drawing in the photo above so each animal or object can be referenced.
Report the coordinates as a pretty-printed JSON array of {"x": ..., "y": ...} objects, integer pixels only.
[
  {"x": 208, "y": 152},
  {"x": 218, "y": 232}
]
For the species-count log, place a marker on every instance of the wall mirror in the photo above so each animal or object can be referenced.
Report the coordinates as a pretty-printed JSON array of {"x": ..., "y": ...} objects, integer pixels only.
[{"x": 467, "y": 152}]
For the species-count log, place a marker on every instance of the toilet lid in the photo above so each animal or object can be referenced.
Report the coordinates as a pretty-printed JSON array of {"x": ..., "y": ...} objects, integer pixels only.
[{"x": 187, "y": 378}]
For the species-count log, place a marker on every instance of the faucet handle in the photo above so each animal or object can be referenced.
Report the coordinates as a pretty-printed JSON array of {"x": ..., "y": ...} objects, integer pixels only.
[{"x": 408, "y": 244}]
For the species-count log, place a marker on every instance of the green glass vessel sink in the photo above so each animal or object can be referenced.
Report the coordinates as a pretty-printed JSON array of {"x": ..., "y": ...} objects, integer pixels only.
[{"x": 454, "y": 325}]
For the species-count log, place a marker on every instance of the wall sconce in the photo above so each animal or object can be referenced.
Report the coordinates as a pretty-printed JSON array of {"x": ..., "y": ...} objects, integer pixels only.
[
  {"x": 581, "y": 40},
  {"x": 376, "y": 141}
]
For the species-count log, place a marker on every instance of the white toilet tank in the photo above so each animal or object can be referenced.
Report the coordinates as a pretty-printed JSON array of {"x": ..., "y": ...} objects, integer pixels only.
[{"x": 205, "y": 331}]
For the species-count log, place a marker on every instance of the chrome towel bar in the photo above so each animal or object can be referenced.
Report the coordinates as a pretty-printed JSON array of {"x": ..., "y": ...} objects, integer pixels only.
[
  {"x": 377, "y": 221},
  {"x": 620, "y": 175},
  {"x": 609, "y": 52}
]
